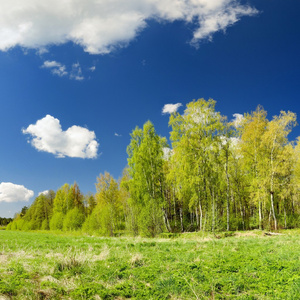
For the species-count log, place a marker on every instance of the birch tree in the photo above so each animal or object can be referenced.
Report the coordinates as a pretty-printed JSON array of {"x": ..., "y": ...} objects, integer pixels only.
[
  {"x": 253, "y": 130},
  {"x": 274, "y": 141},
  {"x": 195, "y": 142},
  {"x": 108, "y": 204},
  {"x": 145, "y": 163}
]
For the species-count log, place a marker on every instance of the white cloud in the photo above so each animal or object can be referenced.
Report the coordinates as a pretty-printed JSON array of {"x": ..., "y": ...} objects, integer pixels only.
[
  {"x": 51, "y": 64},
  {"x": 92, "y": 69},
  {"x": 170, "y": 108},
  {"x": 61, "y": 70},
  {"x": 117, "y": 134},
  {"x": 237, "y": 120},
  {"x": 101, "y": 26},
  {"x": 55, "y": 67},
  {"x": 223, "y": 15},
  {"x": 42, "y": 50},
  {"x": 10, "y": 192},
  {"x": 76, "y": 72},
  {"x": 47, "y": 135},
  {"x": 167, "y": 153},
  {"x": 232, "y": 141},
  {"x": 45, "y": 193}
]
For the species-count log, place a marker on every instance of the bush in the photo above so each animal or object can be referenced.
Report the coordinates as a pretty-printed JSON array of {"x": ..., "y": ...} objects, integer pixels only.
[
  {"x": 20, "y": 224},
  {"x": 99, "y": 221},
  {"x": 92, "y": 223},
  {"x": 73, "y": 220},
  {"x": 150, "y": 219},
  {"x": 14, "y": 225},
  {"x": 45, "y": 225},
  {"x": 56, "y": 222}
]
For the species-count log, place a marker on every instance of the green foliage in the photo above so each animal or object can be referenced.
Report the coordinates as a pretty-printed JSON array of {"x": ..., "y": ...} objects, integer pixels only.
[
  {"x": 67, "y": 198},
  {"x": 90, "y": 204},
  {"x": 73, "y": 219},
  {"x": 149, "y": 219},
  {"x": 56, "y": 222},
  {"x": 45, "y": 225},
  {"x": 147, "y": 178},
  {"x": 219, "y": 175},
  {"x": 91, "y": 223},
  {"x": 5, "y": 221},
  {"x": 108, "y": 214}
]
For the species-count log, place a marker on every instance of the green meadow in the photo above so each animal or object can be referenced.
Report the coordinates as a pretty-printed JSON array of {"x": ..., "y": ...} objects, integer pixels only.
[{"x": 43, "y": 265}]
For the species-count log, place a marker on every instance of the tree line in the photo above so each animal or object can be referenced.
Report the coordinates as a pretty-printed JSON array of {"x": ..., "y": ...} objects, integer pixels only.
[
  {"x": 5, "y": 221},
  {"x": 216, "y": 175}
]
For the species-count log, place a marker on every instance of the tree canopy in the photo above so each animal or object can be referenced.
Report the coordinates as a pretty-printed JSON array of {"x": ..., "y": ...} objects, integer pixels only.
[{"x": 215, "y": 175}]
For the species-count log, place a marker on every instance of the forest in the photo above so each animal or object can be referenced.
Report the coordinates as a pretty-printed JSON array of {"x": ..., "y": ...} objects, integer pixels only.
[
  {"x": 5, "y": 221},
  {"x": 216, "y": 175}
]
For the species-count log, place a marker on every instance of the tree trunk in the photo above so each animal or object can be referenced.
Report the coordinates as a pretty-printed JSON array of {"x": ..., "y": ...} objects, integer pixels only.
[
  {"x": 175, "y": 215},
  {"x": 213, "y": 212},
  {"x": 285, "y": 218},
  {"x": 201, "y": 215},
  {"x": 273, "y": 210},
  {"x": 227, "y": 196},
  {"x": 259, "y": 215},
  {"x": 242, "y": 215},
  {"x": 272, "y": 185},
  {"x": 166, "y": 221},
  {"x": 197, "y": 218},
  {"x": 181, "y": 219}
]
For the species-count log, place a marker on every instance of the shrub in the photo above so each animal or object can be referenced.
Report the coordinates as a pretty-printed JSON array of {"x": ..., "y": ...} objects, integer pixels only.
[
  {"x": 45, "y": 225},
  {"x": 56, "y": 222},
  {"x": 73, "y": 220}
]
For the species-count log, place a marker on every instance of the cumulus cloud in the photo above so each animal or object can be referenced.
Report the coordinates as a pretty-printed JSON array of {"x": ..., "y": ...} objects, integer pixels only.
[
  {"x": 101, "y": 26},
  {"x": 170, "y": 108},
  {"x": 237, "y": 120},
  {"x": 167, "y": 153},
  {"x": 48, "y": 136},
  {"x": 10, "y": 192},
  {"x": 232, "y": 141},
  {"x": 45, "y": 193}
]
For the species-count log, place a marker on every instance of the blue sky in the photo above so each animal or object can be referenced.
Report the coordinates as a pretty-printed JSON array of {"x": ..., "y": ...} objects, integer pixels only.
[{"x": 78, "y": 76}]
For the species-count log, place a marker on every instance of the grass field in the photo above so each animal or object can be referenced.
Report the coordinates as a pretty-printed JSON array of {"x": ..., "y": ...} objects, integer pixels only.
[{"x": 40, "y": 265}]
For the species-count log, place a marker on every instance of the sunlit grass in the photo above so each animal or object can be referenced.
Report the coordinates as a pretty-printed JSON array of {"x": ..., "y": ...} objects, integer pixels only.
[{"x": 35, "y": 265}]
